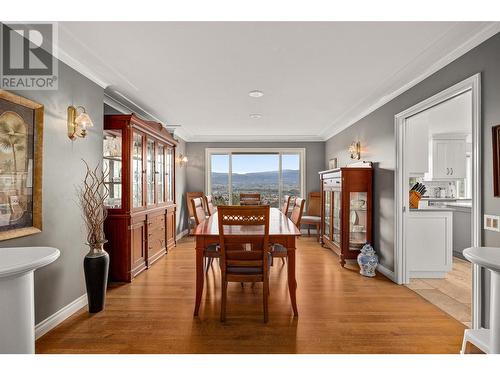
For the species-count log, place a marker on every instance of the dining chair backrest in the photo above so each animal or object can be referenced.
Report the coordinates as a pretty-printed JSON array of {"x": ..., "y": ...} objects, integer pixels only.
[
  {"x": 298, "y": 209},
  {"x": 244, "y": 225},
  {"x": 314, "y": 204},
  {"x": 286, "y": 204},
  {"x": 249, "y": 199},
  {"x": 209, "y": 206},
  {"x": 199, "y": 211},
  {"x": 192, "y": 195}
]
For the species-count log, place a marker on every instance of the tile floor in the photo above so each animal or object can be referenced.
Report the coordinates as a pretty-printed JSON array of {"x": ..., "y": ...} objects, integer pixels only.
[{"x": 453, "y": 294}]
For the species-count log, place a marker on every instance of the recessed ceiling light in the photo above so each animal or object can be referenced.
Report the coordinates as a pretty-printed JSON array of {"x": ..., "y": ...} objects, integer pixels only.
[
  {"x": 255, "y": 116},
  {"x": 255, "y": 94}
]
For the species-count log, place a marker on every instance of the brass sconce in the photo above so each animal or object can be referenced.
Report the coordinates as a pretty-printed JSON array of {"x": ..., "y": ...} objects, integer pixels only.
[
  {"x": 182, "y": 159},
  {"x": 78, "y": 122},
  {"x": 355, "y": 150}
]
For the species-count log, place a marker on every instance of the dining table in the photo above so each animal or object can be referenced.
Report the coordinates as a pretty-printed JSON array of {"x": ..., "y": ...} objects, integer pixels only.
[{"x": 281, "y": 231}]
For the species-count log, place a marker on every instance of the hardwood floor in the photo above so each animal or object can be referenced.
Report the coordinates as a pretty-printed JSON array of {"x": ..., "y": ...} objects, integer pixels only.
[
  {"x": 452, "y": 294},
  {"x": 339, "y": 312}
]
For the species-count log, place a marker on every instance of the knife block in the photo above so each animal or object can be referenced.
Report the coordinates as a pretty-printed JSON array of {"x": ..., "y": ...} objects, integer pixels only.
[{"x": 414, "y": 198}]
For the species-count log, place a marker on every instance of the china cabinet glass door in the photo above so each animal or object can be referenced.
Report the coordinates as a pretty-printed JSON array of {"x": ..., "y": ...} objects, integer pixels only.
[
  {"x": 160, "y": 173},
  {"x": 112, "y": 164},
  {"x": 150, "y": 172},
  {"x": 328, "y": 213},
  {"x": 137, "y": 169},
  {"x": 336, "y": 217},
  {"x": 357, "y": 220},
  {"x": 169, "y": 174}
]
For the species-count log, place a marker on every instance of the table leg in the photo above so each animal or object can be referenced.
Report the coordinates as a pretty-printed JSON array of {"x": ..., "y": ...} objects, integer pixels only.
[
  {"x": 200, "y": 247},
  {"x": 292, "y": 282}
]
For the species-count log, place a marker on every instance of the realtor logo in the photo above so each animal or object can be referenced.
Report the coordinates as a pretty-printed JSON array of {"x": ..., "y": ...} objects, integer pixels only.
[{"x": 28, "y": 60}]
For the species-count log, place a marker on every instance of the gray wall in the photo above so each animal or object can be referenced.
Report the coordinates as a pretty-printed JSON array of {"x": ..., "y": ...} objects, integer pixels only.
[
  {"x": 195, "y": 151},
  {"x": 376, "y": 133},
  {"x": 181, "y": 188},
  {"x": 62, "y": 282}
]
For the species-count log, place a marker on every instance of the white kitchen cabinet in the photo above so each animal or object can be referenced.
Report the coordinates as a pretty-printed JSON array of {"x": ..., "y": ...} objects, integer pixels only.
[
  {"x": 417, "y": 145},
  {"x": 447, "y": 159},
  {"x": 429, "y": 243}
]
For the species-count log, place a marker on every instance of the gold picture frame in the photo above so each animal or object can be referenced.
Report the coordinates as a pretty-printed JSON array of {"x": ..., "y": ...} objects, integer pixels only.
[{"x": 24, "y": 199}]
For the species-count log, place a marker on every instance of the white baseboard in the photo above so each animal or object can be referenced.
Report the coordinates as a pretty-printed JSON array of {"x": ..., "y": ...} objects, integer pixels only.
[
  {"x": 386, "y": 272},
  {"x": 427, "y": 274},
  {"x": 181, "y": 234},
  {"x": 55, "y": 319}
]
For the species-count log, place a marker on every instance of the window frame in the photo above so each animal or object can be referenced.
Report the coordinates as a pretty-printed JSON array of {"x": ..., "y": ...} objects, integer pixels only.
[{"x": 301, "y": 151}]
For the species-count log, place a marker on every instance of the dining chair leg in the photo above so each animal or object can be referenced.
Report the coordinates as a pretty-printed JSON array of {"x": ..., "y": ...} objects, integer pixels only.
[
  {"x": 317, "y": 230},
  {"x": 266, "y": 300},
  {"x": 308, "y": 230},
  {"x": 223, "y": 301}
]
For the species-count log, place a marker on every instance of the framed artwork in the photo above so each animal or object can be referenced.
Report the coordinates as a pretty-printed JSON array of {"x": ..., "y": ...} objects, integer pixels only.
[
  {"x": 21, "y": 142},
  {"x": 332, "y": 163},
  {"x": 496, "y": 160}
]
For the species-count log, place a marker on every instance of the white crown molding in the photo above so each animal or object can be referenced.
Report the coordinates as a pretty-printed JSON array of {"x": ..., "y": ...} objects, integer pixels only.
[
  {"x": 79, "y": 67},
  {"x": 254, "y": 138},
  {"x": 475, "y": 40},
  {"x": 59, "y": 316}
]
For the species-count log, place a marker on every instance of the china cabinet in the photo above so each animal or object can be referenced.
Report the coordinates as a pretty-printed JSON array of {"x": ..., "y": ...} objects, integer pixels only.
[
  {"x": 140, "y": 227},
  {"x": 346, "y": 209}
]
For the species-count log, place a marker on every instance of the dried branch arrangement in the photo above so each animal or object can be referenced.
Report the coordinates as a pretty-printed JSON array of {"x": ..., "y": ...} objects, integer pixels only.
[{"x": 92, "y": 194}]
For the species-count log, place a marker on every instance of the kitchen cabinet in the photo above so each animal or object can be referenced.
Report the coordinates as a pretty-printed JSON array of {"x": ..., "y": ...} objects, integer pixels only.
[
  {"x": 417, "y": 145},
  {"x": 429, "y": 259},
  {"x": 140, "y": 226},
  {"x": 346, "y": 209},
  {"x": 447, "y": 159}
]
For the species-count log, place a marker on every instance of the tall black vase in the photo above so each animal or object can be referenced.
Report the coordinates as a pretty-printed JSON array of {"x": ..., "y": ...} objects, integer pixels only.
[{"x": 96, "y": 266}]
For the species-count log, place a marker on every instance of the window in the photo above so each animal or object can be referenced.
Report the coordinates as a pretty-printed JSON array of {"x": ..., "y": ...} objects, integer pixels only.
[{"x": 271, "y": 172}]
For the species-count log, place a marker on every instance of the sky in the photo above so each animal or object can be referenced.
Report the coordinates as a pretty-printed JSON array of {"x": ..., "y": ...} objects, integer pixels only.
[{"x": 254, "y": 163}]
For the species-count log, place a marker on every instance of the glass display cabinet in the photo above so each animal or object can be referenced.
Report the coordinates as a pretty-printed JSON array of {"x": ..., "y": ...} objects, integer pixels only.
[
  {"x": 346, "y": 209},
  {"x": 140, "y": 228}
]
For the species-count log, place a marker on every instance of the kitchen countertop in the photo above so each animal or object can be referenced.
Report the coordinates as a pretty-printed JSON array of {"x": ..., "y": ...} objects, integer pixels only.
[
  {"x": 460, "y": 204},
  {"x": 444, "y": 199},
  {"x": 438, "y": 208}
]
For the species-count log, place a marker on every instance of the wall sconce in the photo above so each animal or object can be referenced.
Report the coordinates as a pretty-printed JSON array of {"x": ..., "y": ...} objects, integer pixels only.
[
  {"x": 78, "y": 122},
  {"x": 182, "y": 159},
  {"x": 355, "y": 150}
]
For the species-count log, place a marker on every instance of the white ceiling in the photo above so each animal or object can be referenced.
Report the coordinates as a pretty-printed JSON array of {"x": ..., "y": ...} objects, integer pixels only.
[{"x": 317, "y": 78}]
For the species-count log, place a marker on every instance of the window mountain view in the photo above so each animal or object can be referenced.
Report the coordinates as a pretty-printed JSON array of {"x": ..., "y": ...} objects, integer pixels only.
[{"x": 265, "y": 183}]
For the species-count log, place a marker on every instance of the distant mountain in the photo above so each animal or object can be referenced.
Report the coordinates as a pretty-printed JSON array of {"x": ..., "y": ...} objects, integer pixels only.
[{"x": 290, "y": 176}]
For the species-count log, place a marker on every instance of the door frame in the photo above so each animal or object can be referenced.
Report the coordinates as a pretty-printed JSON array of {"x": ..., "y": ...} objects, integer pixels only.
[{"x": 472, "y": 84}]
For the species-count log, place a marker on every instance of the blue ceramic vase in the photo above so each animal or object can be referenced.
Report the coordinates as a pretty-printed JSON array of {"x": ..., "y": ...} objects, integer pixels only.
[{"x": 367, "y": 260}]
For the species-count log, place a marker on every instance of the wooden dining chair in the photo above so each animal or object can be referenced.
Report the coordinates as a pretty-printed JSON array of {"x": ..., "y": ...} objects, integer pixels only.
[
  {"x": 313, "y": 213},
  {"x": 191, "y": 219},
  {"x": 278, "y": 250},
  {"x": 209, "y": 206},
  {"x": 286, "y": 204},
  {"x": 211, "y": 251},
  {"x": 249, "y": 199},
  {"x": 244, "y": 265}
]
